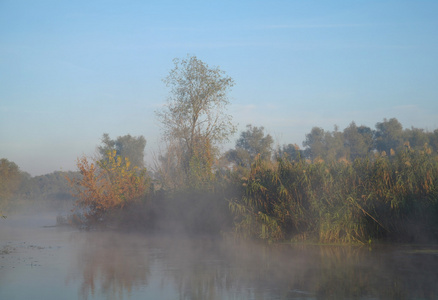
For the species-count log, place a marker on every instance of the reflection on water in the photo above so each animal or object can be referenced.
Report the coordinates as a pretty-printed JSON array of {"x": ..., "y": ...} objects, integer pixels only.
[{"x": 57, "y": 263}]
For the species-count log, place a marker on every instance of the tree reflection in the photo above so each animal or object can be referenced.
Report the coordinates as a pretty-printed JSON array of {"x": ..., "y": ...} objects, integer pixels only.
[
  {"x": 119, "y": 266},
  {"x": 112, "y": 264},
  {"x": 254, "y": 271}
]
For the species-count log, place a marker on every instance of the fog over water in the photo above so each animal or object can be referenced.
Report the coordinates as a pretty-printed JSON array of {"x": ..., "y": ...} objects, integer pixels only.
[
  {"x": 39, "y": 261},
  {"x": 191, "y": 150}
]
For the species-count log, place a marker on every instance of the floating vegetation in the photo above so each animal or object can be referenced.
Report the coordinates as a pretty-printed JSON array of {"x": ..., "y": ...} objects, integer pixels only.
[{"x": 7, "y": 250}]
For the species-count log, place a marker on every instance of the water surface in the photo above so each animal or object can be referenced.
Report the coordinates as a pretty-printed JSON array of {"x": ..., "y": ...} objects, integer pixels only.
[{"x": 40, "y": 262}]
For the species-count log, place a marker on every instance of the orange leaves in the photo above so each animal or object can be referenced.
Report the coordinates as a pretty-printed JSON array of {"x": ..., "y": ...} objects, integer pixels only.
[{"x": 109, "y": 184}]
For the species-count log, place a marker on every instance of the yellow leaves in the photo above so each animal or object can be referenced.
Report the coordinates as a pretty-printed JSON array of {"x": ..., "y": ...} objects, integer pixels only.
[
  {"x": 318, "y": 160},
  {"x": 344, "y": 160},
  {"x": 119, "y": 161},
  {"x": 427, "y": 149},
  {"x": 109, "y": 185}
]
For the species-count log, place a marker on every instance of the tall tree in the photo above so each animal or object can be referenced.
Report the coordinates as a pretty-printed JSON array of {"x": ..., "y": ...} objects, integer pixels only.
[
  {"x": 194, "y": 116},
  {"x": 125, "y": 146}
]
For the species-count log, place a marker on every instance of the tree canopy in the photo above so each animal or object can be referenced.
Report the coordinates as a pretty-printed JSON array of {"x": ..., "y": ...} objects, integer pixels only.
[
  {"x": 125, "y": 146},
  {"x": 107, "y": 184},
  {"x": 194, "y": 119},
  {"x": 355, "y": 141},
  {"x": 389, "y": 135},
  {"x": 252, "y": 142},
  {"x": 10, "y": 178}
]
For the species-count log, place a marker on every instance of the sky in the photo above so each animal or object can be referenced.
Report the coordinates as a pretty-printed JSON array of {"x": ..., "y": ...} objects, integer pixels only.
[{"x": 73, "y": 70}]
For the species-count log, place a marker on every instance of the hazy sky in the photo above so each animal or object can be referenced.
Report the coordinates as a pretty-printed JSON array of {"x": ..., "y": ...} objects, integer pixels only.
[{"x": 73, "y": 70}]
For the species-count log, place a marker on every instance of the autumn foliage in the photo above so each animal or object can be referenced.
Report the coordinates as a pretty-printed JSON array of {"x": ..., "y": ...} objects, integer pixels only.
[{"x": 108, "y": 184}]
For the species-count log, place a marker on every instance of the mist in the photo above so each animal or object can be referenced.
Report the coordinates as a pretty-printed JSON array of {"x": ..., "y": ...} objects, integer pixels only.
[
  {"x": 220, "y": 150},
  {"x": 41, "y": 260},
  {"x": 352, "y": 215}
]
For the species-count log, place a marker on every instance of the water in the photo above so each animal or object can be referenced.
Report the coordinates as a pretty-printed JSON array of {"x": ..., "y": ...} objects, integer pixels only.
[{"x": 38, "y": 262}]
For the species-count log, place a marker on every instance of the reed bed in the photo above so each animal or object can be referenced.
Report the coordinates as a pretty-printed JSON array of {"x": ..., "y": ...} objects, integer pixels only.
[{"x": 391, "y": 197}]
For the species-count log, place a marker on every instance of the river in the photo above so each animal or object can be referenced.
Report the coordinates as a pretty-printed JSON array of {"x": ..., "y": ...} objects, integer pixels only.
[{"x": 42, "y": 261}]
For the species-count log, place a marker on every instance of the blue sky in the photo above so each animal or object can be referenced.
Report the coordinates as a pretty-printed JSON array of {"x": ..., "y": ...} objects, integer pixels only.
[{"x": 73, "y": 70}]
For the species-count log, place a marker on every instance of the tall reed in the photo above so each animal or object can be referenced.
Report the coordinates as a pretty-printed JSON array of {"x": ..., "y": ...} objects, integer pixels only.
[{"x": 393, "y": 197}]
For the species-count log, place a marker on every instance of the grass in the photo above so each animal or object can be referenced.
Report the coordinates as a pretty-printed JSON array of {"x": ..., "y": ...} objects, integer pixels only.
[{"x": 366, "y": 200}]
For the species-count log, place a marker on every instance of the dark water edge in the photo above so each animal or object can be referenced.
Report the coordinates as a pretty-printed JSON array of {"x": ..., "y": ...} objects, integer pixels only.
[{"x": 40, "y": 262}]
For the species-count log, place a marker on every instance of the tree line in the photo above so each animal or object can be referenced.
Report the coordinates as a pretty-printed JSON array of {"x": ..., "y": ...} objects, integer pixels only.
[
  {"x": 355, "y": 185},
  {"x": 361, "y": 141},
  {"x": 19, "y": 189}
]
